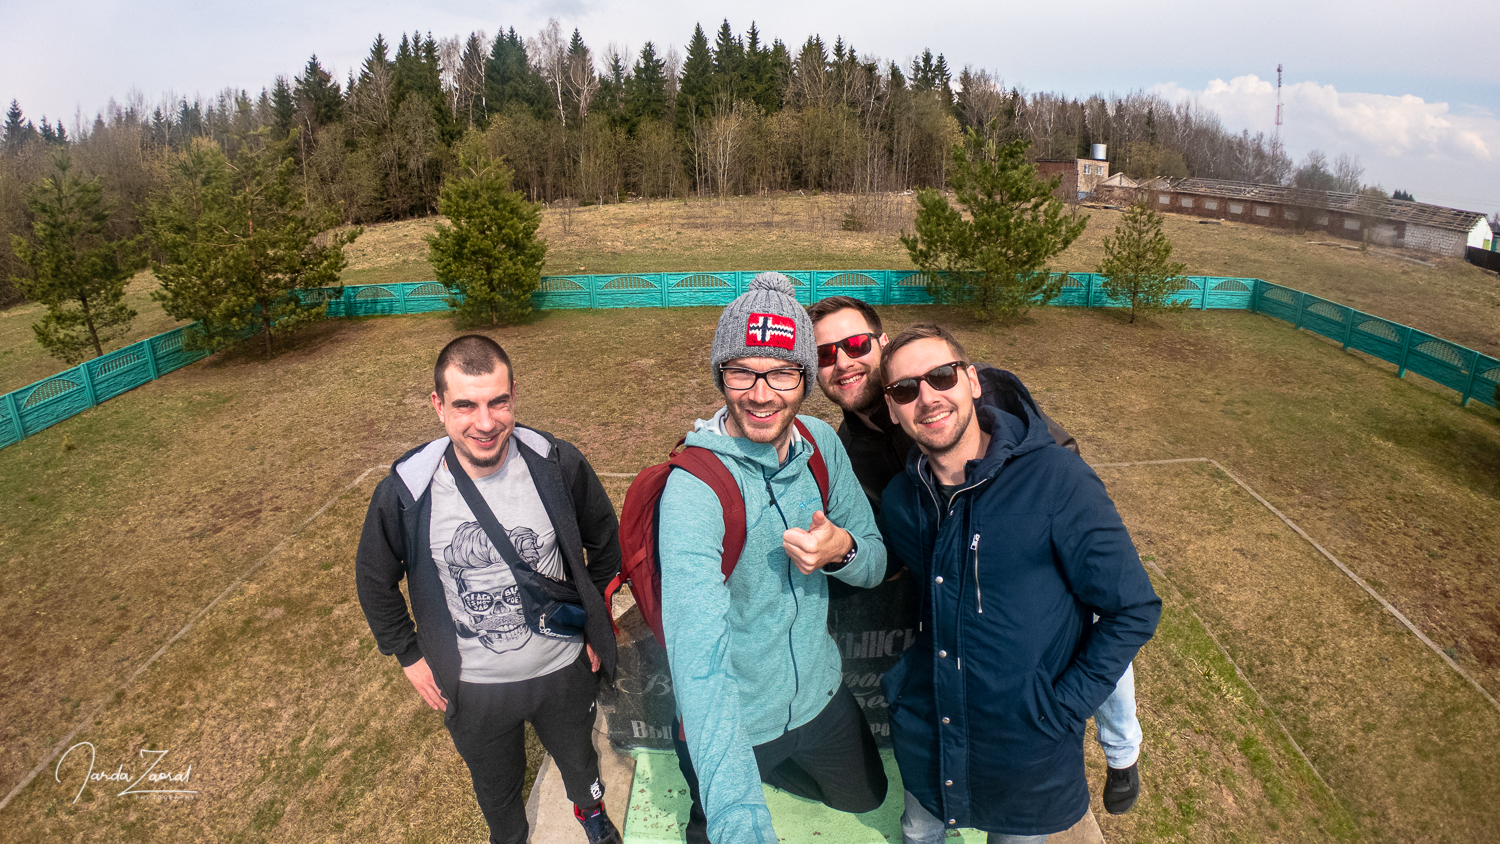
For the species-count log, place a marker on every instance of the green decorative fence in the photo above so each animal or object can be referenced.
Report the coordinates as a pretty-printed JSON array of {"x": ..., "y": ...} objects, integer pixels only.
[
  {"x": 1473, "y": 375},
  {"x": 676, "y": 290},
  {"x": 45, "y": 403}
]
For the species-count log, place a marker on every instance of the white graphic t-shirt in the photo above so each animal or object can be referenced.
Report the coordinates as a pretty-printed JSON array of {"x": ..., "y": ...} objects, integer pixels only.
[{"x": 494, "y": 643}]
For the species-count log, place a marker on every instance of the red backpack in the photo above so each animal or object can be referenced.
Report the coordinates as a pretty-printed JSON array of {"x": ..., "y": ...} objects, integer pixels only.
[{"x": 639, "y": 565}]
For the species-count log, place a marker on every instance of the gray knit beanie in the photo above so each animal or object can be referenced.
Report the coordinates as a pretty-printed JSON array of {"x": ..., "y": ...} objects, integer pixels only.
[{"x": 766, "y": 321}]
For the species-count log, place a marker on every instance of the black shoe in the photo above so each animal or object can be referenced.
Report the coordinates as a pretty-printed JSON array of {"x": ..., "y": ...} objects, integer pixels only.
[
  {"x": 1121, "y": 787},
  {"x": 597, "y": 825}
]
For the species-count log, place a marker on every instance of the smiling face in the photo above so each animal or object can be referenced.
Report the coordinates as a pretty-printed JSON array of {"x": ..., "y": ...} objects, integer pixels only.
[
  {"x": 761, "y": 414},
  {"x": 851, "y": 383},
  {"x": 478, "y": 413},
  {"x": 938, "y": 420}
]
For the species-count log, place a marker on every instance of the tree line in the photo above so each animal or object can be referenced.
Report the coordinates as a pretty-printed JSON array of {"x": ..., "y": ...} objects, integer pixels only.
[{"x": 735, "y": 113}]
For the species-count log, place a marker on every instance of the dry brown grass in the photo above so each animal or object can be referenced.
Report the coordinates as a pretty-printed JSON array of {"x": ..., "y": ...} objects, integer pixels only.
[
  {"x": 1313, "y": 644},
  {"x": 175, "y": 488},
  {"x": 1452, "y": 299},
  {"x": 23, "y": 361}
]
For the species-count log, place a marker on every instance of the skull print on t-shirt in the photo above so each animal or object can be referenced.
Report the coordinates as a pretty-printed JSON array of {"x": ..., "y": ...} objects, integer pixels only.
[{"x": 494, "y": 643}]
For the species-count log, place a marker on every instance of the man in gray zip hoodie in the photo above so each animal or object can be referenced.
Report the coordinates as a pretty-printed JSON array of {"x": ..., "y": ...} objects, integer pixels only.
[
  {"x": 756, "y": 674},
  {"x": 471, "y": 652}
]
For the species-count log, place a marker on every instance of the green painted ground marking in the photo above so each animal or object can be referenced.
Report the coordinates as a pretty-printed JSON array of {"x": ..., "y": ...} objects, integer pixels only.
[{"x": 659, "y": 809}]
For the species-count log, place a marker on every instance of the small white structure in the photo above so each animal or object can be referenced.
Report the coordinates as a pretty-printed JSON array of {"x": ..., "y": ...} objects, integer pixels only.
[{"x": 1481, "y": 236}]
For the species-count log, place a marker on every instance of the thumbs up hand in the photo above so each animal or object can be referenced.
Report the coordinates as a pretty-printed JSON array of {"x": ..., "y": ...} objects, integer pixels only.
[{"x": 821, "y": 544}]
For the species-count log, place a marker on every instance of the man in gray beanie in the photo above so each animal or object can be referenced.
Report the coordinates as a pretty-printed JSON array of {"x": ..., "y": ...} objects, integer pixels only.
[{"x": 757, "y": 676}]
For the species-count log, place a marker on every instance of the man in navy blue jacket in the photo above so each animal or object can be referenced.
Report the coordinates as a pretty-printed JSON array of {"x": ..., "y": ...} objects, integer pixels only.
[{"x": 1018, "y": 548}]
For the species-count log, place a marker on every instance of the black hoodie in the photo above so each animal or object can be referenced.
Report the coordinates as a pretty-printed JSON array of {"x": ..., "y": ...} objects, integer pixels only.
[{"x": 394, "y": 545}]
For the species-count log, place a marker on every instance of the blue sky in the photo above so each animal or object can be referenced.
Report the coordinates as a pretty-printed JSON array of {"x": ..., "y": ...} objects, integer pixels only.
[{"x": 1412, "y": 89}]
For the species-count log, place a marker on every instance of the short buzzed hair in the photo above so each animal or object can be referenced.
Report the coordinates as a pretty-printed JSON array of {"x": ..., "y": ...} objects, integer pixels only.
[
  {"x": 834, "y": 304},
  {"x": 920, "y": 331},
  {"x": 473, "y": 354}
]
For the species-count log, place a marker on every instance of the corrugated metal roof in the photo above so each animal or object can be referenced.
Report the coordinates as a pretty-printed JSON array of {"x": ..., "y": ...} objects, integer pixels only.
[{"x": 1418, "y": 213}]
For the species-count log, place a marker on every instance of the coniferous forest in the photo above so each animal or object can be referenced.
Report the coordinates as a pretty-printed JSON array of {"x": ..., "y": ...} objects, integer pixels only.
[{"x": 737, "y": 113}]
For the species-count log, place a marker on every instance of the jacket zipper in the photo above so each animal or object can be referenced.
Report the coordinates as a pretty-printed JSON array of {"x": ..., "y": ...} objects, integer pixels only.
[
  {"x": 796, "y": 609},
  {"x": 937, "y": 508},
  {"x": 978, "y": 593}
]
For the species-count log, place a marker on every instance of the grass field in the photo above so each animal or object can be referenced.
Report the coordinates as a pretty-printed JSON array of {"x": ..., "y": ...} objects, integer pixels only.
[
  {"x": 1452, "y": 299},
  {"x": 125, "y": 521}
]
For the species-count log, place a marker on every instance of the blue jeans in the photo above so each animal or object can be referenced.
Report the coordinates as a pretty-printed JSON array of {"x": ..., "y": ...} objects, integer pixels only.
[
  {"x": 1119, "y": 730},
  {"x": 918, "y": 826}
]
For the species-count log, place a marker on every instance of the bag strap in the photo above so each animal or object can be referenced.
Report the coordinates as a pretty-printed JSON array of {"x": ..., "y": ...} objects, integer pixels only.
[
  {"x": 481, "y": 509},
  {"x": 708, "y": 468},
  {"x": 815, "y": 462}
]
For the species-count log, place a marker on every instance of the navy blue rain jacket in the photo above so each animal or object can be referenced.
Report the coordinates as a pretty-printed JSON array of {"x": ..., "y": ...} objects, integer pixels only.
[{"x": 988, "y": 707}]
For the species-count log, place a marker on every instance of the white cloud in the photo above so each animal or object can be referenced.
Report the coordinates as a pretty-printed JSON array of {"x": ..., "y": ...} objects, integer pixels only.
[{"x": 1442, "y": 154}]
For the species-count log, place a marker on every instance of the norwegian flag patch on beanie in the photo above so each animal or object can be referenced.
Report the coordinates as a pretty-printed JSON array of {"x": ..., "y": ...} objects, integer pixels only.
[{"x": 771, "y": 330}]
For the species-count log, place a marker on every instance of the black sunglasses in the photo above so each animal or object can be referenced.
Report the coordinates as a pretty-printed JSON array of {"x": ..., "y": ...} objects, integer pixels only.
[
  {"x": 941, "y": 378},
  {"x": 855, "y": 347}
]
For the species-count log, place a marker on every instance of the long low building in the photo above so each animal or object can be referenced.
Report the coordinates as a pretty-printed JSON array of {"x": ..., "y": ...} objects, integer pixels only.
[{"x": 1389, "y": 222}]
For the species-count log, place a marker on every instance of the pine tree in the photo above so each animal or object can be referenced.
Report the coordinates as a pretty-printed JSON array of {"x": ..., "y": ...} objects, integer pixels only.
[
  {"x": 432, "y": 89},
  {"x": 489, "y": 255},
  {"x": 78, "y": 272},
  {"x": 470, "y": 94},
  {"x": 581, "y": 81},
  {"x": 283, "y": 109},
  {"x": 417, "y": 74},
  {"x": 646, "y": 89},
  {"x": 762, "y": 85},
  {"x": 509, "y": 78},
  {"x": 18, "y": 130},
  {"x": 610, "y": 98},
  {"x": 241, "y": 252},
  {"x": 695, "y": 89},
  {"x": 1138, "y": 264},
  {"x": 729, "y": 63},
  {"x": 994, "y": 262},
  {"x": 317, "y": 96}
]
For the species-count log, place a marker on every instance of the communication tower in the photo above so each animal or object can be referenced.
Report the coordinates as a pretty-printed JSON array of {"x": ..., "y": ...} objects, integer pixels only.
[{"x": 1276, "y": 135}]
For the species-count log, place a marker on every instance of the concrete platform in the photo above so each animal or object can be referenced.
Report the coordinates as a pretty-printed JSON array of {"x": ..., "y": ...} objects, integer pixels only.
[{"x": 646, "y": 796}]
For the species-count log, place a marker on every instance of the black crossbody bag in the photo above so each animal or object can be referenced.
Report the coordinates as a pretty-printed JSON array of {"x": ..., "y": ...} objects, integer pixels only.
[{"x": 552, "y": 608}]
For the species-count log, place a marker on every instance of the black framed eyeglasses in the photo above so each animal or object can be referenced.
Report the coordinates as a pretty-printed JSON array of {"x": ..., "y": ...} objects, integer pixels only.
[
  {"x": 942, "y": 378},
  {"x": 856, "y": 346},
  {"x": 737, "y": 378}
]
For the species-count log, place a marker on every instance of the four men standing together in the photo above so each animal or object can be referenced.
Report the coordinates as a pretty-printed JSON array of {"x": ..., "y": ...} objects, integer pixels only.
[{"x": 1033, "y": 601}]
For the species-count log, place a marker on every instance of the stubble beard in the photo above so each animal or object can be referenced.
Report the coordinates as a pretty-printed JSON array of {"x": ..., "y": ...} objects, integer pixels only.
[
  {"x": 482, "y": 462},
  {"x": 867, "y": 399},
  {"x": 949, "y": 441},
  {"x": 758, "y": 433}
]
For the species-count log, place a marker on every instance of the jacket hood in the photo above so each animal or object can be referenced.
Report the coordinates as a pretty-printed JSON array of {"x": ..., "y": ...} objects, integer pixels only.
[
  {"x": 711, "y": 434},
  {"x": 1010, "y": 436},
  {"x": 417, "y": 467}
]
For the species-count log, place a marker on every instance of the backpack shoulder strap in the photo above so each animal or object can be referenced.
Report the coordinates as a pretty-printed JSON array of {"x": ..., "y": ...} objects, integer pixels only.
[
  {"x": 708, "y": 468},
  {"x": 815, "y": 463}
]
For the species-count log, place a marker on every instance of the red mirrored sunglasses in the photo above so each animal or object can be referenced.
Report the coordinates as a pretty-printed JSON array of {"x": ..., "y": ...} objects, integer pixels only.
[{"x": 855, "y": 347}]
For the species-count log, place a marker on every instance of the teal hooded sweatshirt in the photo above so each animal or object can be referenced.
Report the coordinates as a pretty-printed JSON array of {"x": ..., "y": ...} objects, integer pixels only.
[{"x": 752, "y": 658}]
